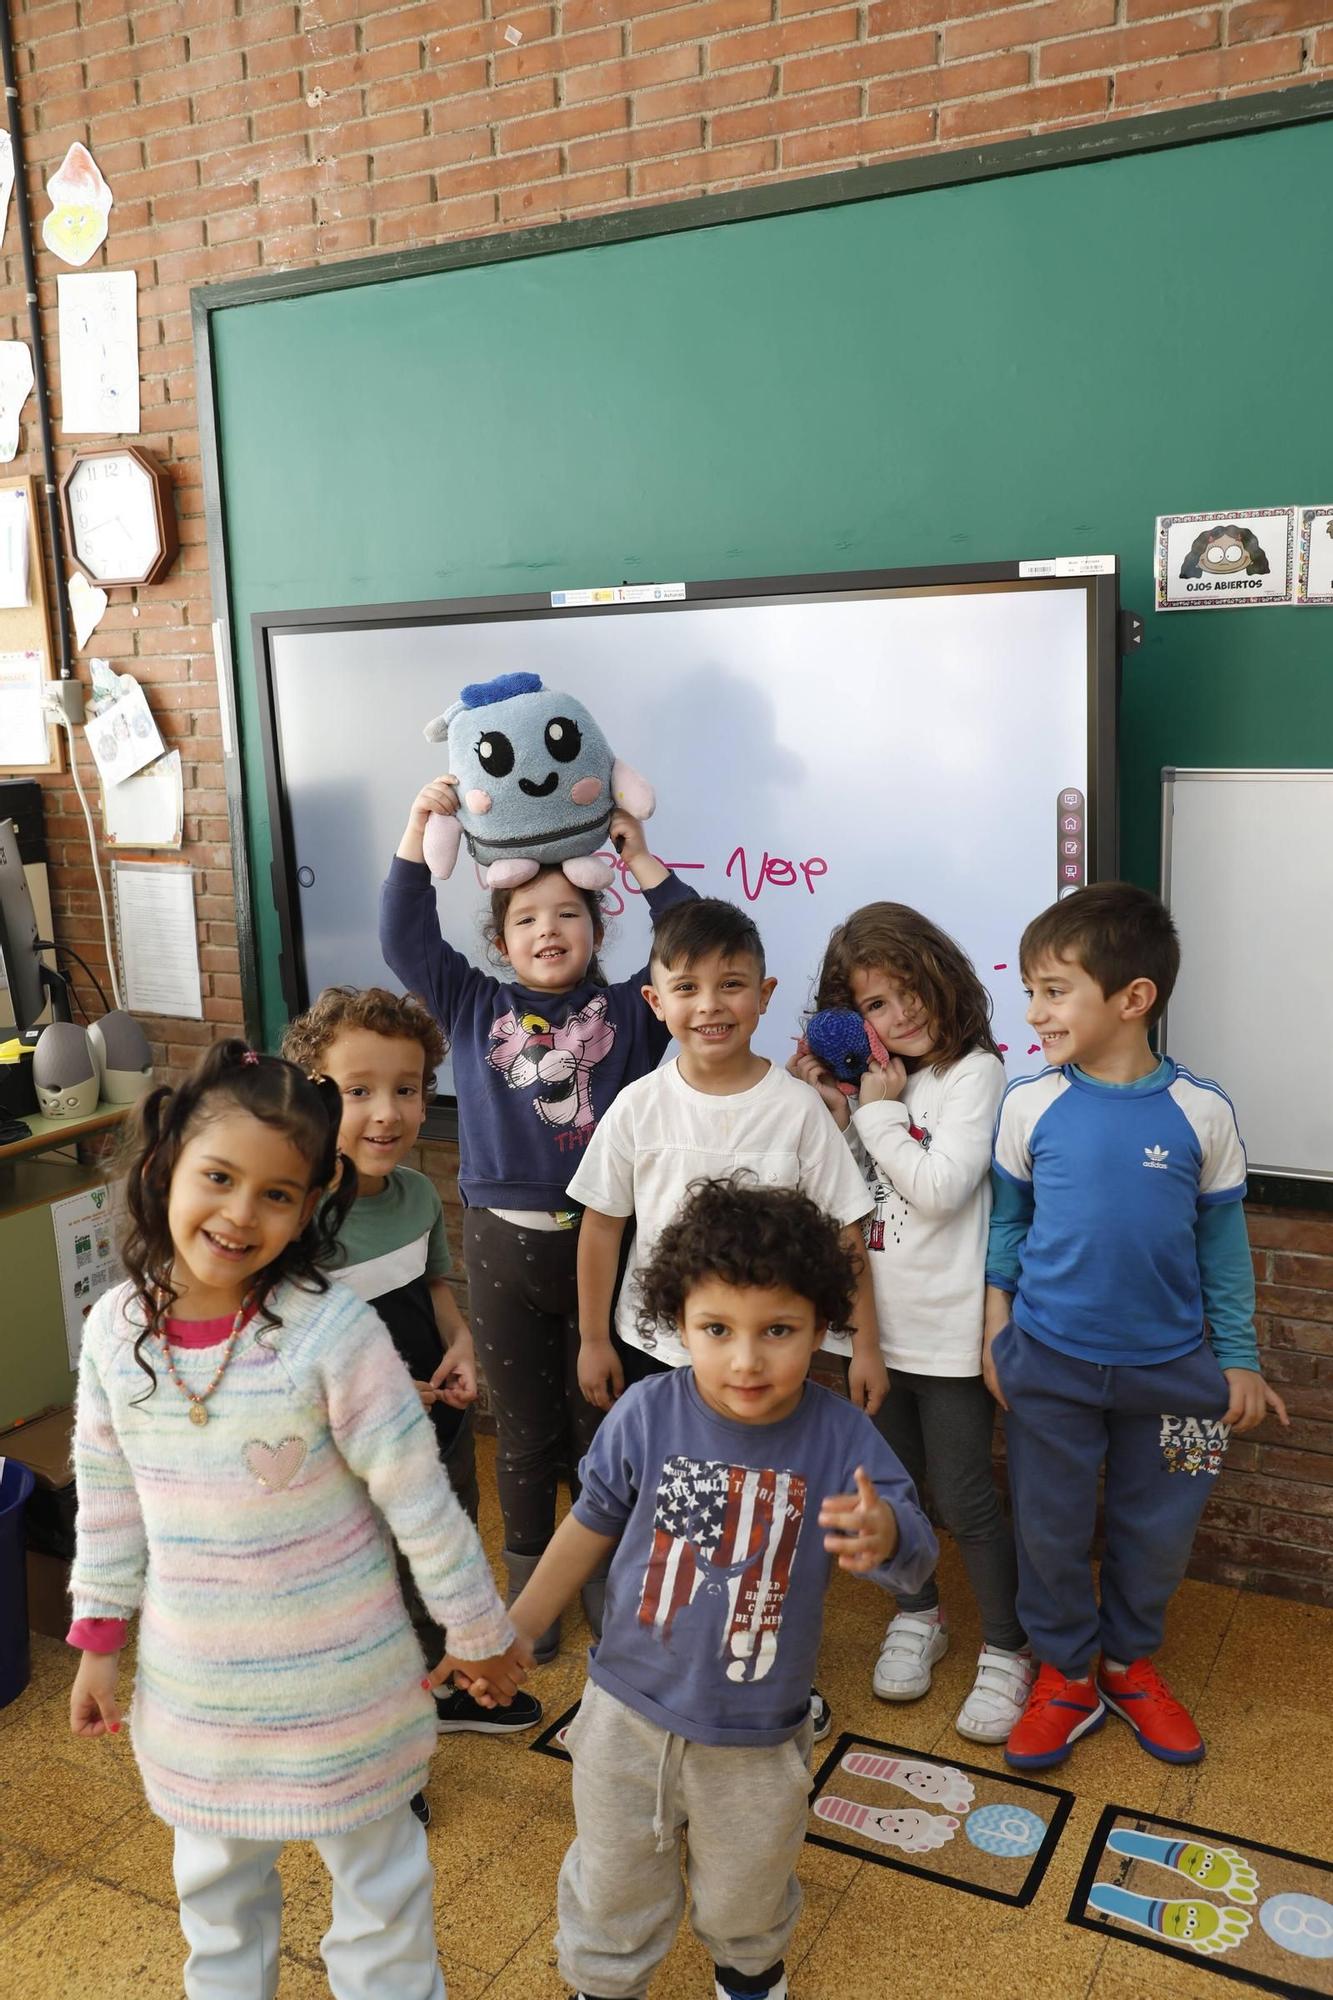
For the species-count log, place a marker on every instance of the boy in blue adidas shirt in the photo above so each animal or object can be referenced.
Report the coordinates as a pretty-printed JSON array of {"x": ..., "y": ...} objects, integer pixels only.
[{"x": 1117, "y": 1231}]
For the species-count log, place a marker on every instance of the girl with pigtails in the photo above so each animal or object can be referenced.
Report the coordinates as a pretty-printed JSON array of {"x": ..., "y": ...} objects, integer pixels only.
[{"x": 242, "y": 1427}]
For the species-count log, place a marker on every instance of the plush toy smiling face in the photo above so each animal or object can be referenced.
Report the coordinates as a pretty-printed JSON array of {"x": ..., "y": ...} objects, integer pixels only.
[{"x": 533, "y": 770}]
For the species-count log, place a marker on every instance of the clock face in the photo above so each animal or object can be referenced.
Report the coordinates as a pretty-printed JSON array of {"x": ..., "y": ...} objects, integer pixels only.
[{"x": 113, "y": 517}]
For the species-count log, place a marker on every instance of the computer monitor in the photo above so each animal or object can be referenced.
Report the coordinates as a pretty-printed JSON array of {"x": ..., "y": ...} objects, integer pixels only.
[{"x": 30, "y": 982}]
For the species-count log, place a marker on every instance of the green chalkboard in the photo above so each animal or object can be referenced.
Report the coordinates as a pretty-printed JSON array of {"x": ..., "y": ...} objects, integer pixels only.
[{"x": 1024, "y": 366}]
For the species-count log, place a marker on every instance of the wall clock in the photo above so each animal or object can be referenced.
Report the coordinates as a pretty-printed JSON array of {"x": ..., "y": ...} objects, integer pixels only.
[{"x": 120, "y": 515}]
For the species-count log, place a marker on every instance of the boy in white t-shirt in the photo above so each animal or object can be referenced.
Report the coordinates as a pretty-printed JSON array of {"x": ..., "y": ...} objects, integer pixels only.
[{"x": 717, "y": 1110}]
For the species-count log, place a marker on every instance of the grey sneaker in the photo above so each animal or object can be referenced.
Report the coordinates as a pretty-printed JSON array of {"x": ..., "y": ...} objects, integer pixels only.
[{"x": 910, "y": 1649}]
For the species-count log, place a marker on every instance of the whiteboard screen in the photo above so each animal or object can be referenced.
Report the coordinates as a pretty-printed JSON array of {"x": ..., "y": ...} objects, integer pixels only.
[
  {"x": 1248, "y": 875},
  {"x": 809, "y": 755}
]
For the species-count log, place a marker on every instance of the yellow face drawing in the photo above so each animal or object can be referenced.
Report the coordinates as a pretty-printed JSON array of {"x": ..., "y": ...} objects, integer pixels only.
[
  {"x": 1188, "y": 1921},
  {"x": 74, "y": 230},
  {"x": 1204, "y": 1867}
]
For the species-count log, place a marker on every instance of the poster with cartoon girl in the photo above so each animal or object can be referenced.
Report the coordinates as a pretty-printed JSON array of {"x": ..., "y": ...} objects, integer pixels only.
[{"x": 1224, "y": 559}]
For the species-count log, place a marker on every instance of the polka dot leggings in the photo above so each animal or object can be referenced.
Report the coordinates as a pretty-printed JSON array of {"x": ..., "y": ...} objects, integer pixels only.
[{"x": 523, "y": 1308}]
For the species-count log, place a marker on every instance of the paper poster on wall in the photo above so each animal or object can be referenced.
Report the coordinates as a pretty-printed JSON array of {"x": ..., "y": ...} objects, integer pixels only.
[
  {"x": 1314, "y": 569},
  {"x": 123, "y": 737},
  {"x": 87, "y": 604},
  {"x": 146, "y": 810},
  {"x": 15, "y": 594},
  {"x": 80, "y": 203},
  {"x": 15, "y": 382},
  {"x": 159, "y": 940},
  {"x": 99, "y": 353},
  {"x": 86, "y": 1258},
  {"x": 1217, "y": 561},
  {"x": 24, "y": 739}
]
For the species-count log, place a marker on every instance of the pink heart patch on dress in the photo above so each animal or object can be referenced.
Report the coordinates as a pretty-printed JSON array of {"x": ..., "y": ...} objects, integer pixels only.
[{"x": 275, "y": 1465}]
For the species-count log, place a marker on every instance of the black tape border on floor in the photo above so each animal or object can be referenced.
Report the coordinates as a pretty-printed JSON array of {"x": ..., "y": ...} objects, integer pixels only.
[
  {"x": 1039, "y": 1862},
  {"x": 1126, "y": 1933},
  {"x": 546, "y": 1745}
]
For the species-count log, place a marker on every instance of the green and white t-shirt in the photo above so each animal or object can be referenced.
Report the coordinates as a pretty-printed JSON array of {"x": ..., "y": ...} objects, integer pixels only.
[{"x": 392, "y": 1247}]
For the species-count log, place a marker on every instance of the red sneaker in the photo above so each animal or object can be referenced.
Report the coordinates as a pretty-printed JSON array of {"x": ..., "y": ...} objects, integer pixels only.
[
  {"x": 1058, "y": 1712},
  {"x": 1142, "y": 1698}
]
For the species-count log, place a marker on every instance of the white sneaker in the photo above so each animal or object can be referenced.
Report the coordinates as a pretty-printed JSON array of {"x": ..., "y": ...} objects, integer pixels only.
[
  {"x": 999, "y": 1695},
  {"x": 911, "y": 1647}
]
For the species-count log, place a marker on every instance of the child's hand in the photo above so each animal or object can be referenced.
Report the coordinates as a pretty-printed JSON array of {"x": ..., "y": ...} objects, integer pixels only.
[
  {"x": 810, "y": 1070},
  {"x": 601, "y": 1376},
  {"x": 867, "y": 1379},
  {"x": 93, "y": 1708},
  {"x": 884, "y": 1082},
  {"x": 988, "y": 1371},
  {"x": 428, "y": 1393},
  {"x": 455, "y": 1380},
  {"x": 864, "y": 1526},
  {"x": 1251, "y": 1400},
  {"x": 627, "y": 837},
  {"x": 493, "y": 1680},
  {"x": 439, "y": 796}
]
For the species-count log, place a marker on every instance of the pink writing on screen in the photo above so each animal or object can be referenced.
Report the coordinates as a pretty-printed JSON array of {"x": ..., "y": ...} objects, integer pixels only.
[{"x": 751, "y": 873}]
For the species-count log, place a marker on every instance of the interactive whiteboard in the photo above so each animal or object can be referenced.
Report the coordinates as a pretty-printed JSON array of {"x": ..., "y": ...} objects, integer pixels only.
[
  {"x": 1247, "y": 871},
  {"x": 946, "y": 744}
]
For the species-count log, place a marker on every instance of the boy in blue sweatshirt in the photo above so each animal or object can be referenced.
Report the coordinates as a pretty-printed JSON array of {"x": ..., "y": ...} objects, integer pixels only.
[
  {"x": 721, "y": 1490},
  {"x": 1116, "y": 1232}
]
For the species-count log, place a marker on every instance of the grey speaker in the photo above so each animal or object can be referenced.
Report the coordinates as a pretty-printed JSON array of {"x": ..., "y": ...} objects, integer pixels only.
[
  {"x": 64, "y": 1072},
  {"x": 123, "y": 1058}
]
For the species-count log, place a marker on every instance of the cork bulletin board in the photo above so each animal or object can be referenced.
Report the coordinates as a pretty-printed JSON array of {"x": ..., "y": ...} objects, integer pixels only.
[{"x": 26, "y": 651}]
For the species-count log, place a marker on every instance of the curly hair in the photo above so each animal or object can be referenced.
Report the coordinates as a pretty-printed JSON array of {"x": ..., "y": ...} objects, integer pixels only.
[
  {"x": 493, "y": 926},
  {"x": 229, "y": 1076},
  {"x": 1256, "y": 562},
  {"x": 892, "y": 938},
  {"x": 1116, "y": 931},
  {"x": 398, "y": 1016},
  {"x": 755, "y": 1238}
]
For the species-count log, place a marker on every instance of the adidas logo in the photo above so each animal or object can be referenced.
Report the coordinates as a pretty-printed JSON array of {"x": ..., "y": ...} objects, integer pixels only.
[{"x": 1156, "y": 1156}]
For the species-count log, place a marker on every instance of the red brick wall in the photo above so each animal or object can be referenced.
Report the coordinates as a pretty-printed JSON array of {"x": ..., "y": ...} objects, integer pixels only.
[{"x": 241, "y": 137}]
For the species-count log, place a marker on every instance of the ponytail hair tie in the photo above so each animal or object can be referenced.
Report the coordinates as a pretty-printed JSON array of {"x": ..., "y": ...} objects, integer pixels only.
[{"x": 250, "y": 1059}]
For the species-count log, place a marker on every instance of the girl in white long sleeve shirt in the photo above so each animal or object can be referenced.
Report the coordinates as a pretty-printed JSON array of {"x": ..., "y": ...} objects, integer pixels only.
[{"x": 921, "y": 1131}]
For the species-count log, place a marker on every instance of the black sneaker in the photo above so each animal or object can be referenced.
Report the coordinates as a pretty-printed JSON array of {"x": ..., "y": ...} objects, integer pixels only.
[
  {"x": 420, "y": 1805},
  {"x": 820, "y": 1714},
  {"x": 455, "y": 1709}
]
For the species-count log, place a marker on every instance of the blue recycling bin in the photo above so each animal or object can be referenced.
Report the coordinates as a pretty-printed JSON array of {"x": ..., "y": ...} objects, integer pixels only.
[{"x": 16, "y": 1483}]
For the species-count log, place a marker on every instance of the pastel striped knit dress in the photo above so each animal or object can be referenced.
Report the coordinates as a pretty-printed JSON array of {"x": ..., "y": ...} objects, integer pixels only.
[{"x": 278, "y": 1693}]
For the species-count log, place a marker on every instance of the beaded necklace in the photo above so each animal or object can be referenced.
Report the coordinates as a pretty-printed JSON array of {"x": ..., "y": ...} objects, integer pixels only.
[{"x": 197, "y": 1400}]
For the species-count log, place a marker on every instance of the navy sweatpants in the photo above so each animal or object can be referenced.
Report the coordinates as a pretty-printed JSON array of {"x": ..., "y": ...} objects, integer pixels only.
[{"x": 1158, "y": 1434}]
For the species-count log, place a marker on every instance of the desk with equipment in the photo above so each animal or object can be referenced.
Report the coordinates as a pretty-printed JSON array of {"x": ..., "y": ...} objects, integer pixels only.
[{"x": 36, "y": 1369}]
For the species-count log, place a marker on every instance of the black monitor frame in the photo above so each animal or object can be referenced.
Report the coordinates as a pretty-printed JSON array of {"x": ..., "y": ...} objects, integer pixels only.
[{"x": 1107, "y": 639}]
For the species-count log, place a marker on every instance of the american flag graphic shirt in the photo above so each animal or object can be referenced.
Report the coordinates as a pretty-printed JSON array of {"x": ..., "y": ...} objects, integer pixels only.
[{"x": 733, "y": 1526}]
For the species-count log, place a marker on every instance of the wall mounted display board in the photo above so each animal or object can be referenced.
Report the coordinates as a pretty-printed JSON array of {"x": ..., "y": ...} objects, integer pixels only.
[
  {"x": 815, "y": 745},
  {"x": 1247, "y": 871}
]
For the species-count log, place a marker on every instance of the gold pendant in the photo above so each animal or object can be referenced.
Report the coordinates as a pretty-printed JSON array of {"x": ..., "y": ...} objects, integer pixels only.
[{"x": 198, "y": 1414}]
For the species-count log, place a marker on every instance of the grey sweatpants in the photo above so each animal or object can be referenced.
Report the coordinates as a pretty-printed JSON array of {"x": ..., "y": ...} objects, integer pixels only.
[{"x": 636, "y": 1788}]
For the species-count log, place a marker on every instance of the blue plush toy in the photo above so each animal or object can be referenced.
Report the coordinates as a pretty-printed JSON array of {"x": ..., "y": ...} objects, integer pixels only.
[
  {"x": 845, "y": 1044},
  {"x": 537, "y": 783}
]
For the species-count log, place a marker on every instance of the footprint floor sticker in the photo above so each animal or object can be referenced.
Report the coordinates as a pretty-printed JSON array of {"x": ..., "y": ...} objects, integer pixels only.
[
  {"x": 1246, "y": 1911},
  {"x": 988, "y": 1833}
]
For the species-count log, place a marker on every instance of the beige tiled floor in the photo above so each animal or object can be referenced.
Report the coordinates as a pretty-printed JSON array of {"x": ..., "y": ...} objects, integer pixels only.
[{"x": 87, "y": 1910}]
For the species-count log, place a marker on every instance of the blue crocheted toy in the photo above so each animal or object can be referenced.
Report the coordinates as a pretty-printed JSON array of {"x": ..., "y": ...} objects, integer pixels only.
[{"x": 845, "y": 1044}]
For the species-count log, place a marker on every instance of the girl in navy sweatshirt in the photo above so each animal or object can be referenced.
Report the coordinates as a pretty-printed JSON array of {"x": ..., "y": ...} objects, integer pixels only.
[{"x": 537, "y": 1058}]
